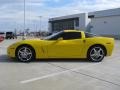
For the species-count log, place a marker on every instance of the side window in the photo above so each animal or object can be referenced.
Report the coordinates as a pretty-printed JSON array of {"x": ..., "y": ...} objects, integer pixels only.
[{"x": 71, "y": 35}]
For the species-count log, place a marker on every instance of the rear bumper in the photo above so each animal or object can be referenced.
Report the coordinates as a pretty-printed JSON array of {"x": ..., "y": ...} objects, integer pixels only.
[{"x": 110, "y": 48}]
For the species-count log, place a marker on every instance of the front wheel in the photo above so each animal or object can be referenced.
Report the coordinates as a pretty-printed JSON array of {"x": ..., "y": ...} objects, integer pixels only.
[
  {"x": 25, "y": 54},
  {"x": 96, "y": 54}
]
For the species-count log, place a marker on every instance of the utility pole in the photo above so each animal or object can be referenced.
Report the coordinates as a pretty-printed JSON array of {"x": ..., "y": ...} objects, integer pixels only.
[
  {"x": 40, "y": 17},
  {"x": 23, "y": 38}
]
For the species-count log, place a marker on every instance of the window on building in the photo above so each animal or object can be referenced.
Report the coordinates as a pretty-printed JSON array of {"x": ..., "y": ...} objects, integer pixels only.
[
  {"x": 91, "y": 16},
  {"x": 77, "y": 22},
  {"x": 65, "y": 24}
]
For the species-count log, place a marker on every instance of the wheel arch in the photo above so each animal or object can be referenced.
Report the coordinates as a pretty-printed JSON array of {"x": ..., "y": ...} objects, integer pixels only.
[{"x": 100, "y": 46}]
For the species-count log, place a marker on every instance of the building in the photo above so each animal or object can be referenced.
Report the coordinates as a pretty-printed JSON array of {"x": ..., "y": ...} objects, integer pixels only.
[
  {"x": 76, "y": 21},
  {"x": 106, "y": 22}
]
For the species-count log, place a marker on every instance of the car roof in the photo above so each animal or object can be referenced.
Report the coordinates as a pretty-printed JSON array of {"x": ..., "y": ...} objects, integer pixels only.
[{"x": 72, "y": 31}]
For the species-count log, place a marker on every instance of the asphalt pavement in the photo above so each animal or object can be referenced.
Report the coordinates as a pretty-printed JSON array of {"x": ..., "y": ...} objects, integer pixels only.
[{"x": 59, "y": 74}]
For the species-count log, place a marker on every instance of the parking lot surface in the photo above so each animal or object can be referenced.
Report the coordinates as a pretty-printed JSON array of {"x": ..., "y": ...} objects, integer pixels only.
[{"x": 59, "y": 74}]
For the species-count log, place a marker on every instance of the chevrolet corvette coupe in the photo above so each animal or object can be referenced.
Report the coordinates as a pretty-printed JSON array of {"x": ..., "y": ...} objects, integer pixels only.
[{"x": 64, "y": 44}]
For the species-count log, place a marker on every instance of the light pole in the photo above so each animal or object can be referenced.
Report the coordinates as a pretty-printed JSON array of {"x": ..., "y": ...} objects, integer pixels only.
[
  {"x": 40, "y": 17},
  {"x": 24, "y": 21}
]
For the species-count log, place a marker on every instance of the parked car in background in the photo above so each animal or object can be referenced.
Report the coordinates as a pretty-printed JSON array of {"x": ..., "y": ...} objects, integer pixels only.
[
  {"x": 10, "y": 35},
  {"x": 2, "y": 36}
]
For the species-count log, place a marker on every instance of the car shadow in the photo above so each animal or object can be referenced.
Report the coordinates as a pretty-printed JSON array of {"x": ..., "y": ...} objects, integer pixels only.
[
  {"x": 62, "y": 60},
  {"x": 6, "y": 59}
]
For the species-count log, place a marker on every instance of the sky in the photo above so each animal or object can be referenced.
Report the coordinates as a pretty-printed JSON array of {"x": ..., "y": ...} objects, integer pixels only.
[{"x": 12, "y": 11}]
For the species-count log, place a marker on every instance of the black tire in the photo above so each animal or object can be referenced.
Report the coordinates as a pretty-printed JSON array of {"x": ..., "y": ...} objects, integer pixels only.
[
  {"x": 25, "y": 56},
  {"x": 96, "y": 54}
]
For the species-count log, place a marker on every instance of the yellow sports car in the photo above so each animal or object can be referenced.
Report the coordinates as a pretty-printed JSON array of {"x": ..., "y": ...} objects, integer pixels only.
[{"x": 64, "y": 44}]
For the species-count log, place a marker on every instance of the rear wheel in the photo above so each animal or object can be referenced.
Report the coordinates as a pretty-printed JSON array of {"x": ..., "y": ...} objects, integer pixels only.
[
  {"x": 25, "y": 54},
  {"x": 96, "y": 54}
]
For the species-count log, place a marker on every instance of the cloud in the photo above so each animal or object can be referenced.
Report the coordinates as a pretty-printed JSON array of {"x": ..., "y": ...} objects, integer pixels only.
[{"x": 12, "y": 10}]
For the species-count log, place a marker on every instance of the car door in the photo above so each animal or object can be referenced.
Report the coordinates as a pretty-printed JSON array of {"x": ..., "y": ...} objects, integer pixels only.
[{"x": 69, "y": 47}]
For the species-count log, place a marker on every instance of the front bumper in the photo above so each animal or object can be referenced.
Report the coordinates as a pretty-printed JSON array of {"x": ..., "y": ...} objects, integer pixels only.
[{"x": 11, "y": 52}]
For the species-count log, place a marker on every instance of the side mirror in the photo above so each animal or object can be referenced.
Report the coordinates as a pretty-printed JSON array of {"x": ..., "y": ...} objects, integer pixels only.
[{"x": 59, "y": 39}]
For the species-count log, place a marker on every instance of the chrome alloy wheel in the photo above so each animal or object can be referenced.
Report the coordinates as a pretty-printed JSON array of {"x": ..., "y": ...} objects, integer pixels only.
[
  {"x": 97, "y": 54},
  {"x": 24, "y": 54}
]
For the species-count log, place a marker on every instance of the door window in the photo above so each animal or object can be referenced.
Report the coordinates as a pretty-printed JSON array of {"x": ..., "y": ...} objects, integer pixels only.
[{"x": 71, "y": 35}]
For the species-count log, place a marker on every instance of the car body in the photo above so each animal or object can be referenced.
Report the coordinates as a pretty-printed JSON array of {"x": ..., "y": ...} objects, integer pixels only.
[{"x": 64, "y": 44}]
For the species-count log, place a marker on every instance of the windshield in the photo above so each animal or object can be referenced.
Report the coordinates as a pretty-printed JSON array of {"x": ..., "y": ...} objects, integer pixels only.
[{"x": 53, "y": 36}]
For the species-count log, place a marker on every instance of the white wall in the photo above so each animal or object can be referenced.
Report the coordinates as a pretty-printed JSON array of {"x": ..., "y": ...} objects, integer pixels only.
[
  {"x": 106, "y": 25},
  {"x": 83, "y": 21}
]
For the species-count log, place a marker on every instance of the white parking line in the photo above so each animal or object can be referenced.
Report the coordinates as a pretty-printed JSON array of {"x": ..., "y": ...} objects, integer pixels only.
[
  {"x": 58, "y": 73},
  {"x": 54, "y": 74}
]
